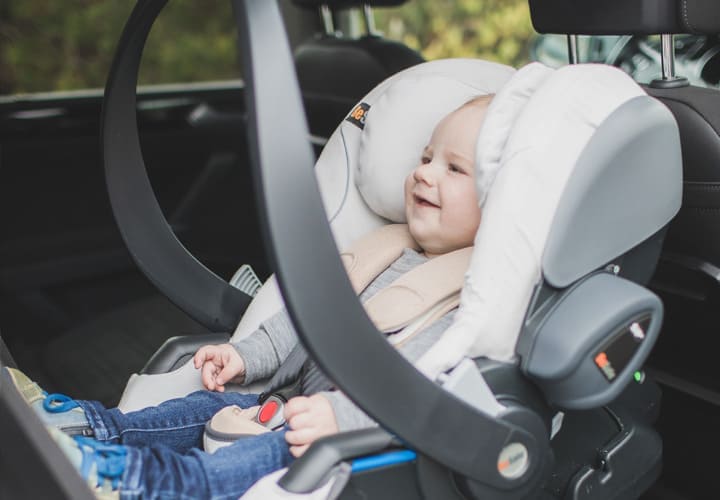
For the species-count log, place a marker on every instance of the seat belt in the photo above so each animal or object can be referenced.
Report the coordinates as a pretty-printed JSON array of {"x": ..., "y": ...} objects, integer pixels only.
[{"x": 413, "y": 301}]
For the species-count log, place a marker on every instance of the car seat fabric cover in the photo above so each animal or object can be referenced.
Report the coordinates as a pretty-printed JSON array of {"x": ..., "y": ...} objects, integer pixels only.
[
  {"x": 542, "y": 149},
  {"x": 361, "y": 171},
  {"x": 550, "y": 116},
  {"x": 401, "y": 129}
]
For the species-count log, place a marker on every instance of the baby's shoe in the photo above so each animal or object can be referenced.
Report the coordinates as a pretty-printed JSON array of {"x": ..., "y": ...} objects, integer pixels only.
[
  {"x": 55, "y": 410},
  {"x": 100, "y": 465}
]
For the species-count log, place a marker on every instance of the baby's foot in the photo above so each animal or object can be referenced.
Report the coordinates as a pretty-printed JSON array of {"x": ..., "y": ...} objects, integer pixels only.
[
  {"x": 100, "y": 465},
  {"x": 55, "y": 410}
]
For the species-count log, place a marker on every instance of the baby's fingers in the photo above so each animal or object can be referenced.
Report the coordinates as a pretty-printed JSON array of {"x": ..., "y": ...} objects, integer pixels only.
[
  {"x": 205, "y": 353},
  {"x": 300, "y": 421},
  {"x": 301, "y": 436},
  {"x": 297, "y": 451},
  {"x": 296, "y": 406},
  {"x": 208, "y": 375}
]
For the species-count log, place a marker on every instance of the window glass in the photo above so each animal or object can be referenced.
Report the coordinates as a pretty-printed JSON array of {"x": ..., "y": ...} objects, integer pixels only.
[
  {"x": 497, "y": 30},
  {"x": 61, "y": 46}
]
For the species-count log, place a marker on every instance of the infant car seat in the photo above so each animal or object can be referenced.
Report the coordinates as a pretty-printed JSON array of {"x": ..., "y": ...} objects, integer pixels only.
[
  {"x": 597, "y": 180},
  {"x": 547, "y": 266}
]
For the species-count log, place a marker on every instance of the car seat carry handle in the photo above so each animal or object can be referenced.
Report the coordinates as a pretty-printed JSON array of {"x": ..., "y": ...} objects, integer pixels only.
[
  {"x": 152, "y": 244},
  {"x": 330, "y": 321},
  {"x": 308, "y": 472}
]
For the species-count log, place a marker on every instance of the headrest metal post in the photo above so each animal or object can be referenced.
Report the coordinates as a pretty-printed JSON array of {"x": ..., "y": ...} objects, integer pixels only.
[
  {"x": 668, "y": 56},
  {"x": 327, "y": 19},
  {"x": 369, "y": 20},
  {"x": 573, "y": 57},
  {"x": 669, "y": 79}
]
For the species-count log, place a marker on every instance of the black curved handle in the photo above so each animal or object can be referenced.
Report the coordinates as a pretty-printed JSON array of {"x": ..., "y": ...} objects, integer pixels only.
[
  {"x": 158, "y": 253},
  {"x": 328, "y": 317},
  {"x": 307, "y": 472}
]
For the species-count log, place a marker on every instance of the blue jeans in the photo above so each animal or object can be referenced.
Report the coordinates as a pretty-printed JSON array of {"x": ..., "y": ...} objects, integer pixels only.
[{"x": 164, "y": 457}]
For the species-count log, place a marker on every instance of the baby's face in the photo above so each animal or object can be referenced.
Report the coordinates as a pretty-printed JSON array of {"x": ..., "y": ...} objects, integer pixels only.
[{"x": 440, "y": 199}]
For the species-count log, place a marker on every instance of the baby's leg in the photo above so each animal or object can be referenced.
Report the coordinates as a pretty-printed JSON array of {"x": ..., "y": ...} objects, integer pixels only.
[
  {"x": 177, "y": 423},
  {"x": 159, "y": 472},
  {"x": 227, "y": 473}
]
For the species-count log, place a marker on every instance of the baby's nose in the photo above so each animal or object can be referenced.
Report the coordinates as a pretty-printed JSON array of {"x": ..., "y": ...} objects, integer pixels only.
[{"x": 424, "y": 173}]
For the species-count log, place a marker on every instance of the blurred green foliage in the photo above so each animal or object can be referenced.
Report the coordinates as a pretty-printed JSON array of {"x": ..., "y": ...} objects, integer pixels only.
[
  {"x": 48, "y": 46},
  {"x": 68, "y": 45},
  {"x": 497, "y": 30}
]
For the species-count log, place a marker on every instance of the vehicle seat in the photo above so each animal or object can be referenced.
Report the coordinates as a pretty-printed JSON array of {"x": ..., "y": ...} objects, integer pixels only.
[{"x": 335, "y": 71}]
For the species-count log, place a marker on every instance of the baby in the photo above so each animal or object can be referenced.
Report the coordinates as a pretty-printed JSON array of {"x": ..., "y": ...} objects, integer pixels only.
[{"x": 156, "y": 451}]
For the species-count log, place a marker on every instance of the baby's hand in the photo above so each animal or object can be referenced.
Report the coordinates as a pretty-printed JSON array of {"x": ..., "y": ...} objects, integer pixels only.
[
  {"x": 220, "y": 364},
  {"x": 309, "y": 418}
]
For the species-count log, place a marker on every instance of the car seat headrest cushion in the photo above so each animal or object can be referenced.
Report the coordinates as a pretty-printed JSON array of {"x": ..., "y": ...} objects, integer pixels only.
[
  {"x": 541, "y": 151},
  {"x": 499, "y": 120},
  {"x": 398, "y": 127}
]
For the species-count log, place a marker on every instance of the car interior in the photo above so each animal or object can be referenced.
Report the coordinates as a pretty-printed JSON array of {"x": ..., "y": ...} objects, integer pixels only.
[{"x": 135, "y": 278}]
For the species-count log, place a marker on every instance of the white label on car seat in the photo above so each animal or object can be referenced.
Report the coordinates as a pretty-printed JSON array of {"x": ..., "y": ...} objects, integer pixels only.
[{"x": 513, "y": 461}]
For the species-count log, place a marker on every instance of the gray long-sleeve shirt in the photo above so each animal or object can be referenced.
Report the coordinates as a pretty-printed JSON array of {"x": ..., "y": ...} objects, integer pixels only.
[{"x": 267, "y": 347}]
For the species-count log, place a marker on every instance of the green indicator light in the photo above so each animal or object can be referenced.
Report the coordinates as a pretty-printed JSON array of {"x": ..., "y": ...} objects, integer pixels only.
[{"x": 638, "y": 376}]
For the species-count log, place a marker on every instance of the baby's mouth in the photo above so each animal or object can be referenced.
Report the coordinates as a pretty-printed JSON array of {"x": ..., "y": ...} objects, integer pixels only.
[{"x": 424, "y": 202}]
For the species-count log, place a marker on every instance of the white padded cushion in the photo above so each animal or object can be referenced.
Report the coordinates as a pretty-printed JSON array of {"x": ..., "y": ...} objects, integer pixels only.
[
  {"x": 541, "y": 151},
  {"x": 499, "y": 120},
  {"x": 398, "y": 127},
  {"x": 379, "y": 156}
]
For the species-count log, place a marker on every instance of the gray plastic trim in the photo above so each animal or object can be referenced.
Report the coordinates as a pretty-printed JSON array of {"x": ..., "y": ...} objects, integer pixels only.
[
  {"x": 561, "y": 359},
  {"x": 626, "y": 186}
]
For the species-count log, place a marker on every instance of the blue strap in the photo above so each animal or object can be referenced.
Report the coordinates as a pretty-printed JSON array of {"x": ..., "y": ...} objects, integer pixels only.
[
  {"x": 59, "y": 403},
  {"x": 109, "y": 460}
]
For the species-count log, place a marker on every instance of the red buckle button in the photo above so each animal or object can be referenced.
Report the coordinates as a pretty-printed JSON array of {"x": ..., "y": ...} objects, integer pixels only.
[{"x": 267, "y": 412}]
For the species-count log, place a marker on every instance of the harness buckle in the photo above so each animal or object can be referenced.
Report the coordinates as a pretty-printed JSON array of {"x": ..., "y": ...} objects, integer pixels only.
[{"x": 271, "y": 414}]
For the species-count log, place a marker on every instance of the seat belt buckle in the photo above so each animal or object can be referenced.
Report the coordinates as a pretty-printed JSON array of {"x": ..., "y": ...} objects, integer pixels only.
[{"x": 271, "y": 414}]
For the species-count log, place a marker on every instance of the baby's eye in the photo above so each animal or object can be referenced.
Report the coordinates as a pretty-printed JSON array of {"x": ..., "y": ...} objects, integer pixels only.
[
  {"x": 425, "y": 159},
  {"x": 455, "y": 168}
]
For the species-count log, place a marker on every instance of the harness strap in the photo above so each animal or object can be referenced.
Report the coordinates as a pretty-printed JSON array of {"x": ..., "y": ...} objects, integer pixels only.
[
  {"x": 286, "y": 380},
  {"x": 410, "y": 303},
  {"x": 374, "y": 252},
  {"x": 416, "y": 292}
]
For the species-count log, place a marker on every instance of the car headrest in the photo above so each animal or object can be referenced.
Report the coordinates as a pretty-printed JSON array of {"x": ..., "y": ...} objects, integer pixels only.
[
  {"x": 545, "y": 151},
  {"x": 364, "y": 164},
  {"x": 623, "y": 17},
  {"x": 347, "y": 4}
]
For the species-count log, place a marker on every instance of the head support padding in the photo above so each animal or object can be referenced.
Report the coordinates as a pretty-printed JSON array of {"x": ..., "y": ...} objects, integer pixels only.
[
  {"x": 398, "y": 127},
  {"x": 363, "y": 166},
  {"x": 544, "y": 144}
]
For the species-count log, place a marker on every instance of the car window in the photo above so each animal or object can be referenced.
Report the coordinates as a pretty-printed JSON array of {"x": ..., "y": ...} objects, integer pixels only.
[{"x": 67, "y": 46}]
